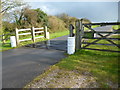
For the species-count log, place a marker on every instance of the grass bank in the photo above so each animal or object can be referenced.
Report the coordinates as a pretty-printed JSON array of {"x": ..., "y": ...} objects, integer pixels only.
[{"x": 102, "y": 66}]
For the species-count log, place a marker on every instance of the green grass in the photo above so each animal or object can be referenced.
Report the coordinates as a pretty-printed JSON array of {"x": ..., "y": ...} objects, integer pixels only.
[
  {"x": 93, "y": 26},
  {"x": 59, "y": 34},
  {"x": 52, "y": 35},
  {"x": 5, "y": 47},
  {"x": 103, "y": 66},
  {"x": 116, "y": 27}
]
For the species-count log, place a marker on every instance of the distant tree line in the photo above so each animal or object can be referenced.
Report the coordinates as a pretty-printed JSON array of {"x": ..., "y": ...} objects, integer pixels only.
[{"x": 26, "y": 17}]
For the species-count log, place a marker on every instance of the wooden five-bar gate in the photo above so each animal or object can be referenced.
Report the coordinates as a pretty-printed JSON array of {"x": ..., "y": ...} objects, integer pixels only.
[{"x": 82, "y": 35}]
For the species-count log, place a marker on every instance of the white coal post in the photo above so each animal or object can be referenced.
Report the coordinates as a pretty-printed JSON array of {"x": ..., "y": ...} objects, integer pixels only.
[
  {"x": 95, "y": 35},
  {"x": 13, "y": 41},
  {"x": 71, "y": 45},
  {"x": 47, "y": 35}
]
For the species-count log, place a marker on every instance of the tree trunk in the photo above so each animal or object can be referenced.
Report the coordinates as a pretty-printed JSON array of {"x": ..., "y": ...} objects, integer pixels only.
[{"x": 0, "y": 18}]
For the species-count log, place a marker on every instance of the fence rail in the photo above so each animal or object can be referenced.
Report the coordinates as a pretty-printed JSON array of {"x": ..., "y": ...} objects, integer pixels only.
[
  {"x": 93, "y": 34},
  {"x": 24, "y": 29},
  {"x": 39, "y": 32},
  {"x": 101, "y": 50},
  {"x": 109, "y": 23},
  {"x": 24, "y": 34},
  {"x": 39, "y": 28},
  {"x": 32, "y": 31},
  {"x": 25, "y": 39},
  {"x": 6, "y": 37}
]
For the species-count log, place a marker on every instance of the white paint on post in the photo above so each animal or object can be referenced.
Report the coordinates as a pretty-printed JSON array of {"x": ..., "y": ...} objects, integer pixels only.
[
  {"x": 13, "y": 41},
  {"x": 95, "y": 35},
  {"x": 48, "y": 42},
  {"x": 33, "y": 33},
  {"x": 45, "y": 31},
  {"x": 47, "y": 35},
  {"x": 17, "y": 36},
  {"x": 71, "y": 45}
]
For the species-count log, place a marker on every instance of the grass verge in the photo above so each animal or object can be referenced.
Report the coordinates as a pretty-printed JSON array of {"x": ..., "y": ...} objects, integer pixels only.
[
  {"x": 103, "y": 66},
  {"x": 116, "y": 27}
]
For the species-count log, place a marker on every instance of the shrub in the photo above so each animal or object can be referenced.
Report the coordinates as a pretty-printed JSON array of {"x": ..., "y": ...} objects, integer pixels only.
[{"x": 55, "y": 24}]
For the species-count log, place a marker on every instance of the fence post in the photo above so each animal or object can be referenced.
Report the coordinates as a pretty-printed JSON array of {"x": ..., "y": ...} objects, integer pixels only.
[
  {"x": 71, "y": 27},
  {"x": 33, "y": 34},
  {"x": 77, "y": 35},
  {"x": 17, "y": 36},
  {"x": 3, "y": 38},
  {"x": 81, "y": 32},
  {"x": 45, "y": 31},
  {"x": 71, "y": 41}
]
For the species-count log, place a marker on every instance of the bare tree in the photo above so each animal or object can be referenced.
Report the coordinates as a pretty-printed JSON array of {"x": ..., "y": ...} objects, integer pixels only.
[
  {"x": 7, "y": 5},
  {"x": 0, "y": 19},
  {"x": 10, "y": 4}
]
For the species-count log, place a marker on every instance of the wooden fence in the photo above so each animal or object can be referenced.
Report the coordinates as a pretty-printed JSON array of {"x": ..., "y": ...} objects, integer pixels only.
[
  {"x": 6, "y": 37},
  {"x": 31, "y": 31},
  {"x": 81, "y": 34}
]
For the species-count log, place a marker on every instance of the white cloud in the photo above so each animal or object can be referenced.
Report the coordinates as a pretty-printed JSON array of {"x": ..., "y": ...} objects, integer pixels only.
[
  {"x": 49, "y": 9},
  {"x": 46, "y": 9},
  {"x": 71, "y": 0}
]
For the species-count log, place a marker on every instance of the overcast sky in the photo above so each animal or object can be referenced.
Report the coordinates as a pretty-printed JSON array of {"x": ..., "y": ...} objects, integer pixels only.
[{"x": 95, "y": 11}]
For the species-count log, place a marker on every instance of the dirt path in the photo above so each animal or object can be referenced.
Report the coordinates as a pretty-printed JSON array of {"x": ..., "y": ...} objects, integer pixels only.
[{"x": 59, "y": 78}]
